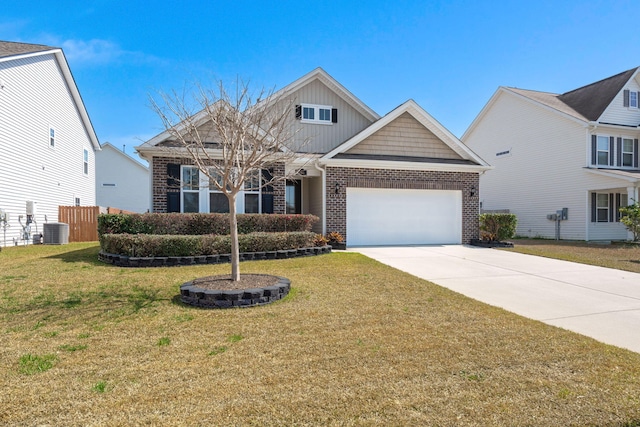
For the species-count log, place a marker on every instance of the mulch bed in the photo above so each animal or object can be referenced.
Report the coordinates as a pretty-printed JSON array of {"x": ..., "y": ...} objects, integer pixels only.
[{"x": 224, "y": 282}]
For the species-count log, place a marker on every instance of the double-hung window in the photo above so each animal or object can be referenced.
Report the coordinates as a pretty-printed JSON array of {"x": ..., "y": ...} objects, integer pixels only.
[
  {"x": 252, "y": 186},
  {"x": 603, "y": 150},
  {"x": 190, "y": 189},
  {"x": 627, "y": 152},
  {"x": 602, "y": 207},
  {"x": 52, "y": 137},
  {"x": 85, "y": 161},
  {"x": 218, "y": 201}
]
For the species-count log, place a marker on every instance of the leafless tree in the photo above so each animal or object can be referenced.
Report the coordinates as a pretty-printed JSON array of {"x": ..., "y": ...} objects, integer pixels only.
[{"x": 230, "y": 134}]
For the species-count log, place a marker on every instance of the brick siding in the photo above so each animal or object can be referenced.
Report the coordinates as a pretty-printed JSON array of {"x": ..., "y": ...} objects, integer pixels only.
[
  {"x": 336, "y": 215},
  {"x": 159, "y": 176}
]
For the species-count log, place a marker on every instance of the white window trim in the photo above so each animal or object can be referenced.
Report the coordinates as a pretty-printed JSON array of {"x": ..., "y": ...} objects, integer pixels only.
[
  {"x": 205, "y": 189},
  {"x": 52, "y": 140},
  {"x": 598, "y": 208},
  {"x": 316, "y": 115},
  {"x": 626, "y": 152},
  {"x": 598, "y": 151},
  {"x": 631, "y": 104},
  {"x": 85, "y": 162}
]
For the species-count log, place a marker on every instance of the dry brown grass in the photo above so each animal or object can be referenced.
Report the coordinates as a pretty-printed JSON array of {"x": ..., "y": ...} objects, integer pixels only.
[
  {"x": 355, "y": 343},
  {"x": 621, "y": 256}
]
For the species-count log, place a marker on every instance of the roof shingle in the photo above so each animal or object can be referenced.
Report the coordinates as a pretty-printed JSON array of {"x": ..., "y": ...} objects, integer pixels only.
[{"x": 16, "y": 48}]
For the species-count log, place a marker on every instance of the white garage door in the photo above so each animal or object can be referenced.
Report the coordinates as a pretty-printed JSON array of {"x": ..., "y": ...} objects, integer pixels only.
[{"x": 403, "y": 217}]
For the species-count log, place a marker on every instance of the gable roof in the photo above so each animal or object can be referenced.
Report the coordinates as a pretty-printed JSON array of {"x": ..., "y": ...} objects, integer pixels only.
[
  {"x": 591, "y": 100},
  {"x": 335, "y": 86},
  {"x": 107, "y": 146},
  {"x": 469, "y": 158},
  {"x": 15, "y": 48},
  {"x": 585, "y": 104},
  {"x": 10, "y": 51}
]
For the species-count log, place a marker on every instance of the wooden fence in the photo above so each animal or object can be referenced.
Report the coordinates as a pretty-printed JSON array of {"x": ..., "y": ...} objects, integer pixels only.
[{"x": 83, "y": 221}]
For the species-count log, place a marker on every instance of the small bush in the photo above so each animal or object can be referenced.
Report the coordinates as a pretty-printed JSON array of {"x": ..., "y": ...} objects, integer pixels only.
[
  {"x": 320, "y": 240},
  {"x": 199, "y": 223},
  {"x": 497, "y": 227},
  {"x": 151, "y": 245},
  {"x": 631, "y": 219},
  {"x": 335, "y": 237}
]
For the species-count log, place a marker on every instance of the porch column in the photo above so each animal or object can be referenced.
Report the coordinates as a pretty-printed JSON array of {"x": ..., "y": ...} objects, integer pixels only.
[{"x": 632, "y": 195}]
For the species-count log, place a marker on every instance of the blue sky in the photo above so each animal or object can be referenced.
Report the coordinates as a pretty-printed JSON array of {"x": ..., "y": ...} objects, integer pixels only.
[{"x": 449, "y": 56}]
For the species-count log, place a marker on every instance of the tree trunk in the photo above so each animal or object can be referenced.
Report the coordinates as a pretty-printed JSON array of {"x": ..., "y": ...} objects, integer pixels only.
[{"x": 235, "y": 247}]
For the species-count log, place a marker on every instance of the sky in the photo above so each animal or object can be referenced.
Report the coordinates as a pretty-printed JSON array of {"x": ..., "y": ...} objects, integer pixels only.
[{"x": 448, "y": 56}]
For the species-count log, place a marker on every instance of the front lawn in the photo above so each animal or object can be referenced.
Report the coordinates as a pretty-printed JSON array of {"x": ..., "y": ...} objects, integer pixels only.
[
  {"x": 354, "y": 343},
  {"x": 621, "y": 256}
]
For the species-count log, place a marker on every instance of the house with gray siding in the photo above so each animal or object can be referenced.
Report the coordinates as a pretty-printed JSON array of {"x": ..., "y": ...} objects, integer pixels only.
[
  {"x": 401, "y": 178},
  {"x": 47, "y": 141},
  {"x": 575, "y": 153}
]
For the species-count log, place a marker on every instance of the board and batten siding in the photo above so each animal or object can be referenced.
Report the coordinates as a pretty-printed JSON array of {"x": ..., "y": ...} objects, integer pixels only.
[
  {"x": 35, "y": 96},
  {"x": 322, "y": 138},
  {"x": 544, "y": 170},
  {"x": 405, "y": 136},
  {"x": 617, "y": 113}
]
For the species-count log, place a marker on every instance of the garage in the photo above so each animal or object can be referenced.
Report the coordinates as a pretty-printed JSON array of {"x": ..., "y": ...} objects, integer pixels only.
[{"x": 403, "y": 217}]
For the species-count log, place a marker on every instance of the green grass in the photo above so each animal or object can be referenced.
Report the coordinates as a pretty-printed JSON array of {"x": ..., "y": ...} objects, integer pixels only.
[
  {"x": 620, "y": 256},
  {"x": 354, "y": 343}
]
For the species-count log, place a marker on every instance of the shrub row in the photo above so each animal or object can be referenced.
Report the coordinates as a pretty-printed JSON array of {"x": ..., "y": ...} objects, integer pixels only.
[
  {"x": 198, "y": 223},
  {"x": 497, "y": 226},
  {"x": 152, "y": 245}
]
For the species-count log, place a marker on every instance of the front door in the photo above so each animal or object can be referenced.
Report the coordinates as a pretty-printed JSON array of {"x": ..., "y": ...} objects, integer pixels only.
[{"x": 293, "y": 196}]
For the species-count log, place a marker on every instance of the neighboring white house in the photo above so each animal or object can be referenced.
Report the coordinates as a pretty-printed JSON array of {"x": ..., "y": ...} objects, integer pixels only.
[
  {"x": 121, "y": 181},
  {"x": 577, "y": 150},
  {"x": 398, "y": 179},
  {"x": 47, "y": 141}
]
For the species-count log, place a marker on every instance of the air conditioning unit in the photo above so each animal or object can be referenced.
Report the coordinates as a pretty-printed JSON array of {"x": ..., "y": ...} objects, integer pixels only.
[{"x": 56, "y": 233}]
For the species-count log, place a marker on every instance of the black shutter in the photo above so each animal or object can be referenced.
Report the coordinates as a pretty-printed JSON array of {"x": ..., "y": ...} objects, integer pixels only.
[
  {"x": 611, "y": 207},
  {"x": 173, "y": 175},
  {"x": 173, "y": 187},
  {"x": 267, "y": 191},
  {"x": 625, "y": 99},
  {"x": 298, "y": 112},
  {"x": 173, "y": 201},
  {"x": 594, "y": 150},
  {"x": 334, "y": 115},
  {"x": 618, "y": 195},
  {"x": 635, "y": 153},
  {"x": 619, "y": 151},
  {"x": 612, "y": 142},
  {"x": 594, "y": 210}
]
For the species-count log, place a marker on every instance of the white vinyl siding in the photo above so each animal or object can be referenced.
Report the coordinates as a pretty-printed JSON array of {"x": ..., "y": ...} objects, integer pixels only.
[
  {"x": 121, "y": 181},
  {"x": 35, "y": 99},
  {"x": 530, "y": 182}
]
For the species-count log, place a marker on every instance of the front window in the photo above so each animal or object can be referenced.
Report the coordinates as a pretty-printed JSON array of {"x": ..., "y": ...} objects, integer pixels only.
[
  {"x": 308, "y": 113},
  {"x": 190, "y": 189},
  {"x": 633, "y": 99},
  {"x": 627, "y": 152},
  {"x": 603, "y": 150},
  {"x": 602, "y": 207},
  {"x": 252, "y": 192}
]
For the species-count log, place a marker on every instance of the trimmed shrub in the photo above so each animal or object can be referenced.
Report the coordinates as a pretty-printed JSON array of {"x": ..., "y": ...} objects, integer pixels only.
[
  {"x": 198, "y": 224},
  {"x": 152, "y": 245},
  {"x": 497, "y": 226}
]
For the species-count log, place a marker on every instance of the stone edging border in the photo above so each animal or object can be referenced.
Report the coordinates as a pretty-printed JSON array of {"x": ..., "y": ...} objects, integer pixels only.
[
  {"x": 172, "y": 261},
  {"x": 210, "y": 298}
]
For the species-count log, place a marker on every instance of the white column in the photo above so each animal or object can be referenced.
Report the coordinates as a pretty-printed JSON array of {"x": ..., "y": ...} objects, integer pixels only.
[{"x": 632, "y": 195}]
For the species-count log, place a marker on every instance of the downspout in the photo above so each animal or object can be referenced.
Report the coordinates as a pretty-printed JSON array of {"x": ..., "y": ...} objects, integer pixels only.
[{"x": 323, "y": 172}]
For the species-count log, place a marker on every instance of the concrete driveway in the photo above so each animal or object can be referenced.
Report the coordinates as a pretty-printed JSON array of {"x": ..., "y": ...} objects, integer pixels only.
[{"x": 599, "y": 302}]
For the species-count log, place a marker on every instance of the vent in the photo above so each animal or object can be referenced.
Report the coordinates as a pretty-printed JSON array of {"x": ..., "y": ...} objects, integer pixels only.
[{"x": 56, "y": 233}]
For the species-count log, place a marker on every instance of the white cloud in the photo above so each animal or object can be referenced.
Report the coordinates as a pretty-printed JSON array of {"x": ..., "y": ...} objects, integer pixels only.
[{"x": 94, "y": 51}]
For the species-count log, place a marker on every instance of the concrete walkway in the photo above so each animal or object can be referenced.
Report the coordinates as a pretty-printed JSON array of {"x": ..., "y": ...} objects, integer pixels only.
[{"x": 599, "y": 302}]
